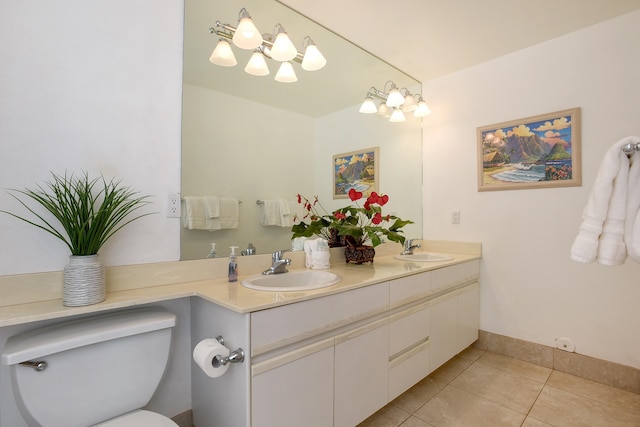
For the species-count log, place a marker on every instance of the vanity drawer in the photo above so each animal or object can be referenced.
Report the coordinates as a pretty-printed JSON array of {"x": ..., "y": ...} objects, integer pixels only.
[
  {"x": 409, "y": 288},
  {"x": 448, "y": 277},
  {"x": 408, "y": 327},
  {"x": 281, "y": 326},
  {"x": 408, "y": 368}
]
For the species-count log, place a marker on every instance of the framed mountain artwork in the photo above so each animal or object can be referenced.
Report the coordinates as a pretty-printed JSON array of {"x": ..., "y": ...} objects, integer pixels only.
[
  {"x": 534, "y": 152},
  {"x": 358, "y": 170}
]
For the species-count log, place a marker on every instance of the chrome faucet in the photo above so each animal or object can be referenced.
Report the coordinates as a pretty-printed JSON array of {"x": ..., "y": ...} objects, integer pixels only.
[
  {"x": 409, "y": 247},
  {"x": 278, "y": 264}
]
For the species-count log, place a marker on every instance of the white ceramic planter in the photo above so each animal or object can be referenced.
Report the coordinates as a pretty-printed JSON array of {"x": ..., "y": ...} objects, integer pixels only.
[{"x": 84, "y": 282}]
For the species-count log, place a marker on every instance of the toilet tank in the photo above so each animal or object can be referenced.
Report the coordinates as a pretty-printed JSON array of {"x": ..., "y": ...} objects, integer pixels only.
[{"x": 97, "y": 367}]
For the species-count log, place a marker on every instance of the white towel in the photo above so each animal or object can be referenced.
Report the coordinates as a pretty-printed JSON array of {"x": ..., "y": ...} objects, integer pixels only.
[
  {"x": 213, "y": 206},
  {"x": 284, "y": 209},
  {"x": 193, "y": 213},
  {"x": 632, "y": 224},
  {"x": 601, "y": 233},
  {"x": 229, "y": 213},
  {"x": 270, "y": 213},
  {"x": 277, "y": 212}
]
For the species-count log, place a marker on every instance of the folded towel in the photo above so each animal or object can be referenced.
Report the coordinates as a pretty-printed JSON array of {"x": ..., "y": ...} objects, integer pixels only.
[
  {"x": 270, "y": 214},
  {"x": 601, "y": 233},
  {"x": 632, "y": 224},
  {"x": 229, "y": 213},
  {"x": 193, "y": 213},
  {"x": 213, "y": 206},
  {"x": 277, "y": 212},
  {"x": 284, "y": 209}
]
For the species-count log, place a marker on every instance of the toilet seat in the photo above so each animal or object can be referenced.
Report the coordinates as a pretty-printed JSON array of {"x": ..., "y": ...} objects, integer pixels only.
[{"x": 140, "y": 418}]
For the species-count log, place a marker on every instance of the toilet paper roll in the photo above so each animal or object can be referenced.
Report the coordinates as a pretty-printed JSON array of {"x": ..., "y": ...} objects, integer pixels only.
[{"x": 204, "y": 353}]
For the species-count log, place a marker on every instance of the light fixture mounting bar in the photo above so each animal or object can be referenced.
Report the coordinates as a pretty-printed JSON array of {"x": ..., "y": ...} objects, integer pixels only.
[{"x": 227, "y": 31}]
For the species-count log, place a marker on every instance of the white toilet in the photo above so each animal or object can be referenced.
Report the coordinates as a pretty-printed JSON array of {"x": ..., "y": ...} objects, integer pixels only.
[{"x": 95, "y": 371}]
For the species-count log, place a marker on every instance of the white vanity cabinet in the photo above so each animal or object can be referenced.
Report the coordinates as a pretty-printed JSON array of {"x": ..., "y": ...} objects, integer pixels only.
[
  {"x": 294, "y": 390},
  {"x": 321, "y": 362},
  {"x": 337, "y": 359},
  {"x": 454, "y": 317}
]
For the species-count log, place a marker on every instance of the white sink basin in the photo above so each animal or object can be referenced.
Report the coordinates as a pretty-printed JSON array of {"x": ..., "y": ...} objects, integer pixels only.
[
  {"x": 424, "y": 257},
  {"x": 302, "y": 280}
]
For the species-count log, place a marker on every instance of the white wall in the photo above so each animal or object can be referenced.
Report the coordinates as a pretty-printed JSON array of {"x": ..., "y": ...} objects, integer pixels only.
[
  {"x": 530, "y": 288},
  {"x": 93, "y": 86},
  {"x": 244, "y": 150}
]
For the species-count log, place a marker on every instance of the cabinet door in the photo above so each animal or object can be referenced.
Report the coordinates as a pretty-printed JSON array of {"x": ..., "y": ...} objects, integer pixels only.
[
  {"x": 361, "y": 373},
  {"x": 468, "y": 316},
  {"x": 295, "y": 389},
  {"x": 444, "y": 330}
]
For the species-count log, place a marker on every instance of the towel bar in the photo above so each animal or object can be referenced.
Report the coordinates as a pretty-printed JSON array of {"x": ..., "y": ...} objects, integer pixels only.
[{"x": 630, "y": 148}]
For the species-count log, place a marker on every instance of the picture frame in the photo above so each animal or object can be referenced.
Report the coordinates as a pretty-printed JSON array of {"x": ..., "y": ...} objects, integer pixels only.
[
  {"x": 358, "y": 170},
  {"x": 534, "y": 152}
]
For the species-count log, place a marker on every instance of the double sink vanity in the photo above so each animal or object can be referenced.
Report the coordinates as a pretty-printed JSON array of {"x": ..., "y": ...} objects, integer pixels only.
[{"x": 328, "y": 355}]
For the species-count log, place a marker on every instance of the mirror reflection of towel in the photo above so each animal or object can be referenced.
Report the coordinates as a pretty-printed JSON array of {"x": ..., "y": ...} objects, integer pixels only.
[
  {"x": 276, "y": 212},
  {"x": 210, "y": 213}
]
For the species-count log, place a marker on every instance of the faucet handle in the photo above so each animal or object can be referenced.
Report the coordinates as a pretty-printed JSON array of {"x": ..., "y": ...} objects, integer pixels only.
[{"x": 277, "y": 255}]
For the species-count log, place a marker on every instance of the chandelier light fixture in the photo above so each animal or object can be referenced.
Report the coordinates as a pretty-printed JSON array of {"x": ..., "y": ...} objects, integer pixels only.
[
  {"x": 394, "y": 102},
  {"x": 277, "y": 46}
]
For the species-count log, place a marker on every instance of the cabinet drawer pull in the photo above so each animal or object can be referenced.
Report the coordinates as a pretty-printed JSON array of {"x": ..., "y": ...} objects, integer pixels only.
[
  {"x": 361, "y": 330},
  {"x": 289, "y": 357},
  {"x": 407, "y": 354}
]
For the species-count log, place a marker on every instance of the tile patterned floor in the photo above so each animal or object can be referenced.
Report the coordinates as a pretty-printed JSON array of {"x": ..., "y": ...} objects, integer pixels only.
[{"x": 484, "y": 389}]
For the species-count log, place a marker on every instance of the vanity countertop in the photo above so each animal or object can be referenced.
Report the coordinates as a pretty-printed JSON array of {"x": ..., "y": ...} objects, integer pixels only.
[{"x": 232, "y": 296}]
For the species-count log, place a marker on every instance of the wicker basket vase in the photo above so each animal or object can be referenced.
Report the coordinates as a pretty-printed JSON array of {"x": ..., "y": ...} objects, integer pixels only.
[{"x": 359, "y": 254}]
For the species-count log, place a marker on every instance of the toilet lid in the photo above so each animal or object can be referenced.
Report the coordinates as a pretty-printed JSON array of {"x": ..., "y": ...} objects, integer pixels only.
[{"x": 139, "y": 419}]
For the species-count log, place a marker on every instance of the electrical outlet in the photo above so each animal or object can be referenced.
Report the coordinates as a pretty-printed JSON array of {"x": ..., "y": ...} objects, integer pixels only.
[
  {"x": 455, "y": 217},
  {"x": 173, "y": 205}
]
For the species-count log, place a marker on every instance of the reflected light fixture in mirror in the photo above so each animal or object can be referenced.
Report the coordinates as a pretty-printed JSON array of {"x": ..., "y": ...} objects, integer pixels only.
[
  {"x": 399, "y": 100},
  {"x": 257, "y": 65},
  {"x": 286, "y": 73},
  {"x": 246, "y": 35},
  {"x": 223, "y": 55},
  {"x": 278, "y": 47},
  {"x": 282, "y": 49}
]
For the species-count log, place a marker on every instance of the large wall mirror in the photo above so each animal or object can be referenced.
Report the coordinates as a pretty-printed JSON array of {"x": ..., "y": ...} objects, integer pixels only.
[{"x": 252, "y": 138}]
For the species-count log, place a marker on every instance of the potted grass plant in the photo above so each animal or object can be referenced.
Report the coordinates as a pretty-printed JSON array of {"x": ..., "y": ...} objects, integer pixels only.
[{"x": 88, "y": 212}]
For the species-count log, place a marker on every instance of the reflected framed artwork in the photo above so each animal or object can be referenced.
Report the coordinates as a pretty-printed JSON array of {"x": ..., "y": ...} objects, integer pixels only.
[
  {"x": 358, "y": 170},
  {"x": 535, "y": 152}
]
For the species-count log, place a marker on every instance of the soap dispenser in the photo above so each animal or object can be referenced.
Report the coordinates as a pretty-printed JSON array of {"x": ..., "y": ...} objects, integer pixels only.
[
  {"x": 233, "y": 265},
  {"x": 213, "y": 253}
]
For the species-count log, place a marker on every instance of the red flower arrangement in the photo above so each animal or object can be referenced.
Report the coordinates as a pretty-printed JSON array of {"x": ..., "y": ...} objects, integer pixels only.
[{"x": 358, "y": 225}]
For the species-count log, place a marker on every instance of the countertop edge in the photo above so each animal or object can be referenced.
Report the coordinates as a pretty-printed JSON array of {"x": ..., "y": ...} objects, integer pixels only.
[{"x": 232, "y": 296}]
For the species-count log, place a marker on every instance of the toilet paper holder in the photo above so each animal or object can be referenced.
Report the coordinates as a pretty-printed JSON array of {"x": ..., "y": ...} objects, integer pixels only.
[{"x": 236, "y": 356}]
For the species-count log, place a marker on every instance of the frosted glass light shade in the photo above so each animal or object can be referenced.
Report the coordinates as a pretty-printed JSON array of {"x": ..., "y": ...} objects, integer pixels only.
[
  {"x": 283, "y": 49},
  {"x": 313, "y": 60},
  {"x": 409, "y": 104},
  {"x": 422, "y": 110},
  {"x": 247, "y": 35},
  {"x": 286, "y": 74},
  {"x": 397, "y": 116},
  {"x": 383, "y": 110},
  {"x": 223, "y": 55},
  {"x": 368, "y": 106},
  {"x": 395, "y": 98},
  {"x": 257, "y": 66}
]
